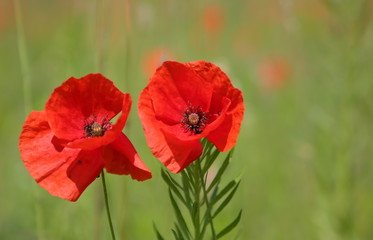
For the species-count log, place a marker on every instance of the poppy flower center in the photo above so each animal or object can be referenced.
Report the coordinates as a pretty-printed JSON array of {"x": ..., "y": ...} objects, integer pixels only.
[
  {"x": 94, "y": 128},
  {"x": 194, "y": 119}
]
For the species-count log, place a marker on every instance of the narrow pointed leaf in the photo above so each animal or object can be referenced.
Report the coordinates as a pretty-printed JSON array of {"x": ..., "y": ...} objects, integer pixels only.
[
  {"x": 207, "y": 150},
  {"x": 179, "y": 216},
  {"x": 225, "y": 190},
  {"x": 210, "y": 160},
  {"x": 215, "y": 191},
  {"x": 186, "y": 187},
  {"x": 179, "y": 233},
  {"x": 230, "y": 227},
  {"x": 226, "y": 201},
  {"x": 175, "y": 235},
  {"x": 206, "y": 221},
  {"x": 173, "y": 187},
  {"x": 172, "y": 179},
  {"x": 159, "y": 236},
  {"x": 220, "y": 172},
  {"x": 195, "y": 216},
  {"x": 190, "y": 174}
]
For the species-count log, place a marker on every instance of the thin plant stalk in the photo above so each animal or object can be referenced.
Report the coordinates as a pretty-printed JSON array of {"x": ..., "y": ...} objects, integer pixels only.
[
  {"x": 24, "y": 64},
  {"x": 26, "y": 85},
  {"x": 197, "y": 185},
  {"x": 107, "y": 204},
  {"x": 205, "y": 196}
]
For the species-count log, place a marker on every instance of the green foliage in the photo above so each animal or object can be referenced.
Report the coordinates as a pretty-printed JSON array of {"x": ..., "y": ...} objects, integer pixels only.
[
  {"x": 159, "y": 236},
  {"x": 202, "y": 200}
]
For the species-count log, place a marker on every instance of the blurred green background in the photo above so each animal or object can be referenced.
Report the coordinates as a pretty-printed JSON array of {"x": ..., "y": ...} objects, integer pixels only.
[{"x": 305, "y": 150}]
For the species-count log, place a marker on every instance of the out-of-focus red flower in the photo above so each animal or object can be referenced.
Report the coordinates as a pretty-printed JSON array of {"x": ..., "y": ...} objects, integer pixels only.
[
  {"x": 274, "y": 73},
  {"x": 66, "y": 146},
  {"x": 154, "y": 58},
  {"x": 184, "y": 103},
  {"x": 6, "y": 15},
  {"x": 213, "y": 18}
]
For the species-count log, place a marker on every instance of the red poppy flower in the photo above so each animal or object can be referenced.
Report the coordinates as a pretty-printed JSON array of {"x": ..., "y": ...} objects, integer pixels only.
[
  {"x": 184, "y": 103},
  {"x": 66, "y": 146},
  {"x": 213, "y": 18},
  {"x": 274, "y": 73}
]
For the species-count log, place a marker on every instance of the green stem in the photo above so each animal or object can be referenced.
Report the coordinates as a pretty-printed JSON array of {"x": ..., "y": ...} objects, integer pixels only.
[
  {"x": 107, "y": 204},
  {"x": 197, "y": 203},
  {"x": 209, "y": 208},
  {"x": 25, "y": 70}
]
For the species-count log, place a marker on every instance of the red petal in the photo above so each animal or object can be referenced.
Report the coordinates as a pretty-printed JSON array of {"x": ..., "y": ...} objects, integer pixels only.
[
  {"x": 122, "y": 158},
  {"x": 225, "y": 136},
  {"x": 54, "y": 167},
  {"x": 179, "y": 153},
  {"x": 174, "y": 153},
  {"x": 78, "y": 99},
  {"x": 211, "y": 73},
  {"x": 111, "y": 134},
  {"x": 173, "y": 87}
]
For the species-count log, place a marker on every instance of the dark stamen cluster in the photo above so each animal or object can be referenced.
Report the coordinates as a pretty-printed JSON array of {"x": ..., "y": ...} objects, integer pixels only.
[
  {"x": 194, "y": 119},
  {"x": 94, "y": 128}
]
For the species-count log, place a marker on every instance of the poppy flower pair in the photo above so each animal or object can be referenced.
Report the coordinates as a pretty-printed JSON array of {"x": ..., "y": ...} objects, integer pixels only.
[{"x": 65, "y": 146}]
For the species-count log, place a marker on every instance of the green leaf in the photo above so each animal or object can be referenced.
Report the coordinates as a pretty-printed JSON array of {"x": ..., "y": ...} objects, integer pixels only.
[
  {"x": 159, "y": 236},
  {"x": 230, "y": 227},
  {"x": 206, "y": 221},
  {"x": 167, "y": 175},
  {"x": 175, "y": 235},
  {"x": 179, "y": 216},
  {"x": 190, "y": 174},
  {"x": 215, "y": 192},
  {"x": 172, "y": 179},
  {"x": 210, "y": 160},
  {"x": 226, "y": 200},
  {"x": 179, "y": 232},
  {"x": 207, "y": 149},
  {"x": 220, "y": 172},
  {"x": 231, "y": 185},
  {"x": 187, "y": 188},
  {"x": 170, "y": 182},
  {"x": 195, "y": 215}
]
